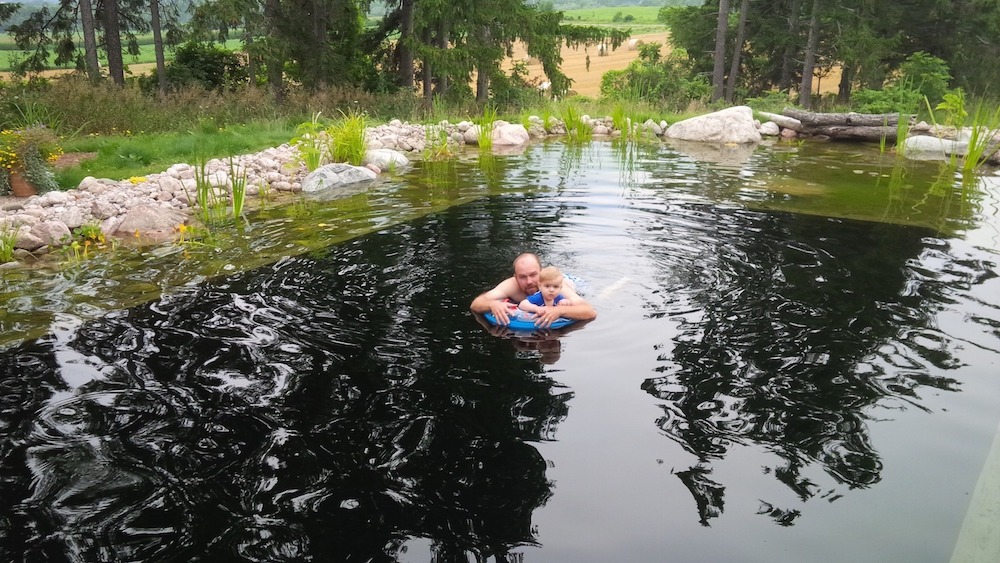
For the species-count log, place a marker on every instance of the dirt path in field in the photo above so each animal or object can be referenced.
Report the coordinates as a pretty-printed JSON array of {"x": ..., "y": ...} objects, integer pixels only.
[{"x": 587, "y": 82}]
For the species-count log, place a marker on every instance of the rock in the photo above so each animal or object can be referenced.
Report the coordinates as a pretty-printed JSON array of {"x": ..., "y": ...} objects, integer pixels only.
[
  {"x": 53, "y": 198},
  {"x": 168, "y": 183},
  {"x": 471, "y": 135},
  {"x": 731, "y": 125},
  {"x": 150, "y": 220},
  {"x": 51, "y": 232},
  {"x": 103, "y": 209},
  {"x": 28, "y": 241},
  {"x": 386, "y": 159},
  {"x": 72, "y": 217},
  {"x": 926, "y": 146},
  {"x": 769, "y": 129},
  {"x": 509, "y": 134},
  {"x": 332, "y": 175}
]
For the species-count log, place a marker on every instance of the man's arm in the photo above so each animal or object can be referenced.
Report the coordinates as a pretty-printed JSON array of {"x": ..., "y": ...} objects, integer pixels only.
[{"x": 492, "y": 301}]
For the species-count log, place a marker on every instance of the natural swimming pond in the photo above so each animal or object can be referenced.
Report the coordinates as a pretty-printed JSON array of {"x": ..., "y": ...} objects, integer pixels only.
[{"x": 795, "y": 360}]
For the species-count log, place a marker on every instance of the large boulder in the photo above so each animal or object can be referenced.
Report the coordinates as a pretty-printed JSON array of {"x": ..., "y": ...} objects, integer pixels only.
[
  {"x": 338, "y": 174},
  {"x": 151, "y": 221},
  {"x": 509, "y": 134},
  {"x": 731, "y": 125},
  {"x": 386, "y": 159}
]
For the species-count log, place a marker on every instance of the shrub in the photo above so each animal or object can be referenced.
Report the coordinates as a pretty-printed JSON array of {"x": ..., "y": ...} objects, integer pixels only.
[
  {"x": 929, "y": 75},
  {"x": 895, "y": 98},
  {"x": 201, "y": 64},
  {"x": 669, "y": 81}
]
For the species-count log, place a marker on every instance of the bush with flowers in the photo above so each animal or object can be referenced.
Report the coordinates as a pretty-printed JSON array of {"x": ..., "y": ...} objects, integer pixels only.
[{"x": 29, "y": 152}]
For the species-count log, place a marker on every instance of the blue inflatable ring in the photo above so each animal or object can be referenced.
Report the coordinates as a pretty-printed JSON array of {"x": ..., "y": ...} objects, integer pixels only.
[{"x": 518, "y": 323}]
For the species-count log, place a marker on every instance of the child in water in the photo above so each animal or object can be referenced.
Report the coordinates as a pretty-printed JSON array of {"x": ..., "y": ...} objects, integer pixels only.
[{"x": 550, "y": 282}]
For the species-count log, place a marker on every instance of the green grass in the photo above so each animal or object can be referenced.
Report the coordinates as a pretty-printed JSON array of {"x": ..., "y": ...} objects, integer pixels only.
[
  {"x": 147, "y": 54},
  {"x": 120, "y": 157},
  {"x": 641, "y": 15}
]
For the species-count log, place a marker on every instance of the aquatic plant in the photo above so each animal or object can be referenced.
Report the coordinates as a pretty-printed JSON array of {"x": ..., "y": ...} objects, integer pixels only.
[
  {"x": 89, "y": 231},
  {"x": 211, "y": 208},
  {"x": 621, "y": 120},
  {"x": 311, "y": 142},
  {"x": 8, "y": 238},
  {"x": 237, "y": 186},
  {"x": 985, "y": 126},
  {"x": 437, "y": 147},
  {"x": 576, "y": 128},
  {"x": 485, "y": 130},
  {"x": 347, "y": 138}
]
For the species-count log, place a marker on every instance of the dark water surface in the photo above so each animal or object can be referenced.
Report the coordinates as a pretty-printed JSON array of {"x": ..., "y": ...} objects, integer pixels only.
[{"x": 781, "y": 371}]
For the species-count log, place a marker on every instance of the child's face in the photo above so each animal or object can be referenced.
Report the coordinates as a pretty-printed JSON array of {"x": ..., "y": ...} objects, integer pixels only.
[{"x": 550, "y": 288}]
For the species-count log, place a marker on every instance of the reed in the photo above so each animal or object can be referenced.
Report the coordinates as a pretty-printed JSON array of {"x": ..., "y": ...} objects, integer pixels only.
[
  {"x": 211, "y": 208},
  {"x": 237, "y": 187}
]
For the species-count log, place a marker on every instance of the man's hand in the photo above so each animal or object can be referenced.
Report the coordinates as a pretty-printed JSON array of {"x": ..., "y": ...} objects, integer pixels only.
[{"x": 501, "y": 310}]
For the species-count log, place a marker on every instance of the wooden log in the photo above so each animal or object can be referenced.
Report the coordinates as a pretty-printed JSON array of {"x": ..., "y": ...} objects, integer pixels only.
[
  {"x": 844, "y": 132},
  {"x": 809, "y": 118}
]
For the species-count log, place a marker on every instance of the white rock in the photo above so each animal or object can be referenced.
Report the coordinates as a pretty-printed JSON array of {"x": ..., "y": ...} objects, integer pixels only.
[{"x": 731, "y": 125}]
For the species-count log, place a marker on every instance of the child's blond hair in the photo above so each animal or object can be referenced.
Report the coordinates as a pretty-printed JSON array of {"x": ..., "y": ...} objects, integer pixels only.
[{"x": 549, "y": 273}]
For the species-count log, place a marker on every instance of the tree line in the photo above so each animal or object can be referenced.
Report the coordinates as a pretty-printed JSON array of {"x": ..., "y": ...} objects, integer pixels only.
[
  {"x": 455, "y": 47},
  {"x": 752, "y": 46},
  {"x": 441, "y": 44}
]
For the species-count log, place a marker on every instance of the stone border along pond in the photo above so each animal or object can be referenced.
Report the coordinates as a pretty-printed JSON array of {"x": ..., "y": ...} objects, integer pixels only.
[{"x": 152, "y": 208}]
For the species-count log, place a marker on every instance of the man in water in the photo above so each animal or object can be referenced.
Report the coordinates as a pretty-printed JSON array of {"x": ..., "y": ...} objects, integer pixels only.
[{"x": 523, "y": 283}]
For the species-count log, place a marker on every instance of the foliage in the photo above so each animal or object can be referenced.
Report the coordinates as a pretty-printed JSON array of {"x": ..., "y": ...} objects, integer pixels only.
[
  {"x": 670, "y": 81},
  {"x": 211, "y": 208},
  {"x": 953, "y": 104},
  {"x": 929, "y": 74},
  {"x": 237, "y": 187},
  {"x": 89, "y": 232},
  {"x": 485, "y": 130},
  {"x": 437, "y": 146},
  {"x": 202, "y": 64},
  {"x": 347, "y": 138},
  {"x": 8, "y": 238},
  {"x": 29, "y": 151},
  {"x": 311, "y": 142},
  {"x": 896, "y": 98},
  {"x": 771, "y": 101},
  {"x": 576, "y": 128}
]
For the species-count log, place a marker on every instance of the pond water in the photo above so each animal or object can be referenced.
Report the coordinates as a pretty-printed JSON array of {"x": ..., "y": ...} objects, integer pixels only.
[{"x": 795, "y": 359}]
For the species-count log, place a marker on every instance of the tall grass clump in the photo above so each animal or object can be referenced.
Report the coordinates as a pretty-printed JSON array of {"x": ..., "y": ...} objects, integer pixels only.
[
  {"x": 985, "y": 126},
  {"x": 576, "y": 128},
  {"x": 485, "y": 130},
  {"x": 8, "y": 237},
  {"x": 347, "y": 138}
]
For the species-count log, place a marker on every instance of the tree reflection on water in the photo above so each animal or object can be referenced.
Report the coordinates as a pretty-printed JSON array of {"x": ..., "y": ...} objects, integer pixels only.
[
  {"x": 306, "y": 410},
  {"x": 790, "y": 334}
]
